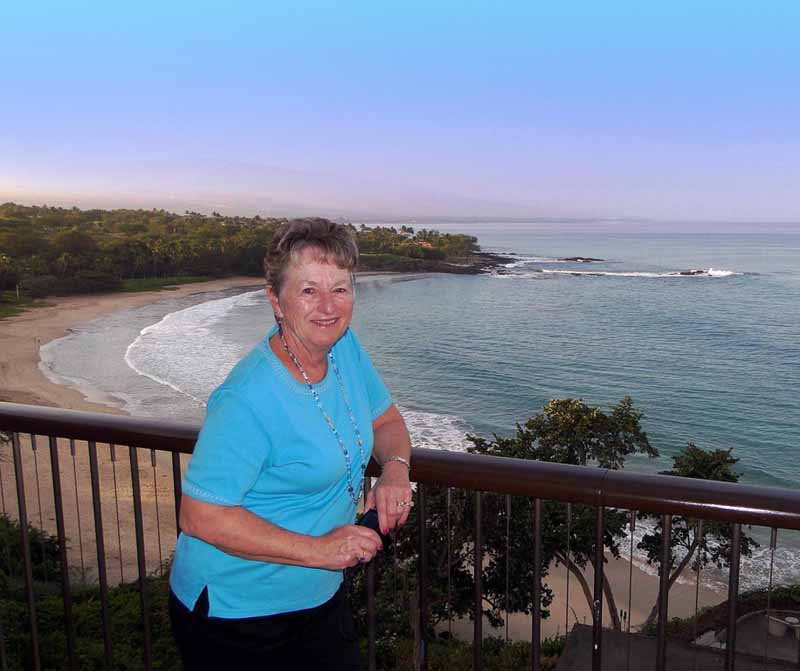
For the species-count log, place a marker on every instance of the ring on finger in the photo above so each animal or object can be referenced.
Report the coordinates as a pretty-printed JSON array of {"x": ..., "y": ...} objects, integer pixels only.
[{"x": 404, "y": 504}]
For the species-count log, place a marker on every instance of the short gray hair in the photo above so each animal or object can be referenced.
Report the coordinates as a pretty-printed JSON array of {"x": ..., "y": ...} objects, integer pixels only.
[{"x": 334, "y": 243}]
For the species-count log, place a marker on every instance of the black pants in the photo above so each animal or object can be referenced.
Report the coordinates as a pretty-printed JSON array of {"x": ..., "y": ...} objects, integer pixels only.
[{"x": 321, "y": 638}]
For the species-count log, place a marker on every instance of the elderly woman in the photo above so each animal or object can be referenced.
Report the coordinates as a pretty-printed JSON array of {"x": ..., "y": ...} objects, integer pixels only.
[{"x": 271, "y": 492}]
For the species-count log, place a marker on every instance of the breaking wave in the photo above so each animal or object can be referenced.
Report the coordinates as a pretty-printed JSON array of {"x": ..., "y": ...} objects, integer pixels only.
[
  {"x": 674, "y": 274},
  {"x": 523, "y": 260},
  {"x": 188, "y": 338},
  {"x": 754, "y": 570},
  {"x": 436, "y": 431}
]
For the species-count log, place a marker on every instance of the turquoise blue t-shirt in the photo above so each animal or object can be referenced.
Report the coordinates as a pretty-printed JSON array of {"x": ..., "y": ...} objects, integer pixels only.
[{"x": 265, "y": 446}]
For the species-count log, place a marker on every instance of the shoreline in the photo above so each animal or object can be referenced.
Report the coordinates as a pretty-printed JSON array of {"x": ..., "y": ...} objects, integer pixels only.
[
  {"x": 22, "y": 336},
  {"x": 22, "y": 381},
  {"x": 642, "y": 598}
]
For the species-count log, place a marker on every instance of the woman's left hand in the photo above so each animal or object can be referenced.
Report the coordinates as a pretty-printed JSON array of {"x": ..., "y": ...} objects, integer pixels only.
[{"x": 391, "y": 496}]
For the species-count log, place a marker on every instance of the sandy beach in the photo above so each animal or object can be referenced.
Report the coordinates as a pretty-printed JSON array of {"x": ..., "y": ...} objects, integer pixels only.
[
  {"x": 22, "y": 381},
  {"x": 642, "y": 597},
  {"x": 21, "y": 336}
]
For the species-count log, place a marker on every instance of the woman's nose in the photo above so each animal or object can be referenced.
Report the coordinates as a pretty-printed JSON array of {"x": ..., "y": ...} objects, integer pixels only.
[{"x": 327, "y": 303}]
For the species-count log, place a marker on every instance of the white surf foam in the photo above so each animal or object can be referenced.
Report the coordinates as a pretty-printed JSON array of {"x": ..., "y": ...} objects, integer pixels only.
[
  {"x": 754, "y": 570},
  {"x": 698, "y": 273},
  {"x": 169, "y": 351},
  {"x": 524, "y": 260},
  {"x": 436, "y": 431}
]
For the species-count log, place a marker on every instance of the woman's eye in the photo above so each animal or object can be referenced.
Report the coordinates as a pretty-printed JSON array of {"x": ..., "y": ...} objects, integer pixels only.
[
  {"x": 308, "y": 291},
  {"x": 341, "y": 290}
]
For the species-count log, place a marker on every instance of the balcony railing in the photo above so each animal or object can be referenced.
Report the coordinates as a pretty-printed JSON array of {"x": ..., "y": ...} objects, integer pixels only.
[{"x": 56, "y": 445}]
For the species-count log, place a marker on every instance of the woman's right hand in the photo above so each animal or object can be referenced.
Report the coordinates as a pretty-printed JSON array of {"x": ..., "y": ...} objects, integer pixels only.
[{"x": 346, "y": 546}]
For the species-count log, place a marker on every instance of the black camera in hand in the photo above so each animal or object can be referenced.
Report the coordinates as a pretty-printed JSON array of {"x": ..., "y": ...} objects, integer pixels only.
[{"x": 370, "y": 520}]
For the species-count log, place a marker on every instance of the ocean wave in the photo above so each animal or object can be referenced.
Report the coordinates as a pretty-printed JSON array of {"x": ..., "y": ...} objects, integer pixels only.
[
  {"x": 694, "y": 273},
  {"x": 754, "y": 570},
  {"x": 187, "y": 336},
  {"x": 436, "y": 431},
  {"x": 524, "y": 260}
]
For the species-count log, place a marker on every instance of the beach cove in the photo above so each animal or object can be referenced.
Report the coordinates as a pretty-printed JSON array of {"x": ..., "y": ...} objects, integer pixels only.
[
  {"x": 24, "y": 381},
  {"x": 625, "y": 321}
]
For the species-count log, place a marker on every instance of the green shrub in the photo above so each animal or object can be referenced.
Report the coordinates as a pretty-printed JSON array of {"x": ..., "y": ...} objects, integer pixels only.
[
  {"x": 41, "y": 285},
  {"x": 125, "y": 624},
  {"x": 91, "y": 281},
  {"x": 82, "y": 282},
  {"x": 44, "y": 556},
  {"x": 391, "y": 262}
]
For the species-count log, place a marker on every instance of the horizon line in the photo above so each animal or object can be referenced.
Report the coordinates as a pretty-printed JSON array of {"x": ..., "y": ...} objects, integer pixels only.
[{"x": 412, "y": 218}]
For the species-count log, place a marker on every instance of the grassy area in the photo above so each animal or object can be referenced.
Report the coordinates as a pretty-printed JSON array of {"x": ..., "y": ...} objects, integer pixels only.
[
  {"x": 159, "y": 283},
  {"x": 9, "y": 306}
]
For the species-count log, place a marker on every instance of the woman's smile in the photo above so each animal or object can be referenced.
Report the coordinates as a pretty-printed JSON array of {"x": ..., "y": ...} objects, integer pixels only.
[{"x": 326, "y": 323}]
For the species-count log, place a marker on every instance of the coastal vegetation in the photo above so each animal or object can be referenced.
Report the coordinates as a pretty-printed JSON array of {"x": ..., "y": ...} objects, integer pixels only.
[
  {"x": 566, "y": 431},
  {"x": 12, "y": 304},
  {"x": 700, "y": 546},
  {"x": 56, "y": 251}
]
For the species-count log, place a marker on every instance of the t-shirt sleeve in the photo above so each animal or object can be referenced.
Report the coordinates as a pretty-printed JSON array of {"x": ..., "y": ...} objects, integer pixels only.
[
  {"x": 230, "y": 452},
  {"x": 379, "y": 397}
]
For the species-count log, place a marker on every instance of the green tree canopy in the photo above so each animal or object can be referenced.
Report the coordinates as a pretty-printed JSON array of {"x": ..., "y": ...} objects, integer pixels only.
[
  {"x": 692, "y": 545},
  {"x": 567, "y": 431},
  {"x": 8, "y": 273},
  {"x": 49, "y": 242},
  {"x": 75, "y": 242}
]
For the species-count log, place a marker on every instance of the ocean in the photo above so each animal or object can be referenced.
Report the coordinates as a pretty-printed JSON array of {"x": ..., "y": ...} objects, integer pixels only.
[{"x": 711, "y": 357}]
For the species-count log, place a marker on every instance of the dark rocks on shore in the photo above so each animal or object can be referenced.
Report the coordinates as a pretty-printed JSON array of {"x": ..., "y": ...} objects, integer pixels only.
[
  {"x": 479, "y": 263},
  {"x": 474, "y": 265},
  {"x": 486, "y": 261}
]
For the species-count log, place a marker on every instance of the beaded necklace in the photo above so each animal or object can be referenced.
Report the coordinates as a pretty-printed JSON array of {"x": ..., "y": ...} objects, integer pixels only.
[{"x": 354, "y": 496}]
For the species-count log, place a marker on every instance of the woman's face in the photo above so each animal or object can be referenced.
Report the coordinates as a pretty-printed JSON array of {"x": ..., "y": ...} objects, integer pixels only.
[{"x": 315, "y": 303}]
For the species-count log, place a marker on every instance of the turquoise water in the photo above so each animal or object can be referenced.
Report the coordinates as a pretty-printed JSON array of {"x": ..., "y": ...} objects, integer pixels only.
[
  {"x": 711, "y": 358},
  {"x": 714, "y": 360}
]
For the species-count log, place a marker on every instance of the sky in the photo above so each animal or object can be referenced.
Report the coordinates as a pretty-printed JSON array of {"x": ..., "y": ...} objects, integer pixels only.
[{"x": 671, "y": 111}]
